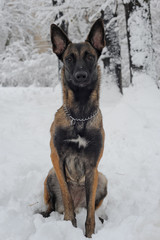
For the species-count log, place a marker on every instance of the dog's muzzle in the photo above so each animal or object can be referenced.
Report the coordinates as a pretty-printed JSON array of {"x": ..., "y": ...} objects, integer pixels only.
[{"x": 81, "y": 76}]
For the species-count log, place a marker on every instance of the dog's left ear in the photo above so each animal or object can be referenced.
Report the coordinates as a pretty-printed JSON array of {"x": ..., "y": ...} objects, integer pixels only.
[{"x": 96, "y": 36}]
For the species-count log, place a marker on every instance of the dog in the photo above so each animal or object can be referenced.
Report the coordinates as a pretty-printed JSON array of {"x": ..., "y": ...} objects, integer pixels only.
[{"x": 77, "y": 134}]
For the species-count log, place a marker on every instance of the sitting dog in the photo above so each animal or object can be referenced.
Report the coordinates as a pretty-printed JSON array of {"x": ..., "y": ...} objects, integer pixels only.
[{"x": 77, "y": 134}]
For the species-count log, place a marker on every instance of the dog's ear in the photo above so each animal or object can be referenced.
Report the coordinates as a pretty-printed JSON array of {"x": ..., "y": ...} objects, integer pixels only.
[
  {"x": 96, "y": 36},
  {"x": 59, "y": 41}
]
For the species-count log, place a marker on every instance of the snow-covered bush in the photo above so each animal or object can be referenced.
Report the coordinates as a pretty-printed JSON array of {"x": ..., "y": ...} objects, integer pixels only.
[
  {"x": 22, "y": 61},
  {"x": 39, "y": 70}
]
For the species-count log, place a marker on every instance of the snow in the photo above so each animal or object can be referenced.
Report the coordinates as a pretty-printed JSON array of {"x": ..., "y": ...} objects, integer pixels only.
[{"x": 130, "y": 162}]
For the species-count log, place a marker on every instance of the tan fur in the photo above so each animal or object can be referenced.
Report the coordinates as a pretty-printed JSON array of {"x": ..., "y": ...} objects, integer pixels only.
[
  {"x": 46, "y": 195},
  {"x": 62, "y": 122}
]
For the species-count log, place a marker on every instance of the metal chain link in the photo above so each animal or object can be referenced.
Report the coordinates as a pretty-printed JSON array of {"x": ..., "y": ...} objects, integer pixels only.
[{"x": 74, "y": 120}]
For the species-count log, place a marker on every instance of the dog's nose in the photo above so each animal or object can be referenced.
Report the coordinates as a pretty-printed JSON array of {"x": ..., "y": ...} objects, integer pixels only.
[{"x": 81, "y": 76}]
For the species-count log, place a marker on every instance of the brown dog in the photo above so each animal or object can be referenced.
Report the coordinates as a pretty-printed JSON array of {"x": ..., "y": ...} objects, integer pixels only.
[{"x": 77, "y": 135}]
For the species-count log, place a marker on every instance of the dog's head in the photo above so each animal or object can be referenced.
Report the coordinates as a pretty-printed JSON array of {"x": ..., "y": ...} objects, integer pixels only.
[{"x": 79, "y": 59}]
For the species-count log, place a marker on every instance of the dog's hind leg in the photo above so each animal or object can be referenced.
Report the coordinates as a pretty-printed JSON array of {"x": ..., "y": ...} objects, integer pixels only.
[
  {"x": 48, "y": 200},
  {"x": 101, "y": 194},
  {"x": 101, "y": 190},
  {"x": 52, "y": 194}
]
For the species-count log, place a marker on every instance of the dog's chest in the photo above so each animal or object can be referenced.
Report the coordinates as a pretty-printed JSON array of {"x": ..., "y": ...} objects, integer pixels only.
[
  {"x": 81, "y": 142},
  {"x": 84, "y": 145},
  {"x": 73, "y": 139}
]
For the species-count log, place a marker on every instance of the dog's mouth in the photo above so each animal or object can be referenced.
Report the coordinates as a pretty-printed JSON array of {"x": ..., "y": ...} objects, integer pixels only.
[
  {"x": 78, "y": 83},
  {"x": 81, "y": 83}
]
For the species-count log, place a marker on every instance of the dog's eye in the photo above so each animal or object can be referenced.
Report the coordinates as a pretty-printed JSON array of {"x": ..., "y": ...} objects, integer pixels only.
[
  {"x": 90, "y": 57},
  {"x": 69, "y": 59}
]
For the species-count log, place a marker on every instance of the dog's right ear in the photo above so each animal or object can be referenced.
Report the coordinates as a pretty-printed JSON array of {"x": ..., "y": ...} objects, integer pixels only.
[{"x": 59, "y": 41}]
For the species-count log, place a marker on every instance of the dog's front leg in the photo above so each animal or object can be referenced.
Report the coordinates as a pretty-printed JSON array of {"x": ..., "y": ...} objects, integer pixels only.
[
  {"x": 67, "y": 200},
  {"x": 91, "y": 183}
]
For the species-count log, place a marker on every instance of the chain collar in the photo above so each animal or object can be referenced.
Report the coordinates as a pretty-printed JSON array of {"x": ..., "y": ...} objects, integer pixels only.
[{"x": 74, "y": 120}]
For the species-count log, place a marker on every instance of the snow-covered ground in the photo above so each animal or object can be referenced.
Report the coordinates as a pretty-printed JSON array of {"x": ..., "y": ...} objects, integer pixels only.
[{"x": 131, "y": 163}]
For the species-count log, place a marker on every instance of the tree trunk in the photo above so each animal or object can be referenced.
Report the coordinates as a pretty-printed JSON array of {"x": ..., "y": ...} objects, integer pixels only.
[
  {"x": 139, "y": 35},
  {"x": 128, "y": 9},
  {"x": 111, "y": 58},
  {"x": 123, "y": 45}
]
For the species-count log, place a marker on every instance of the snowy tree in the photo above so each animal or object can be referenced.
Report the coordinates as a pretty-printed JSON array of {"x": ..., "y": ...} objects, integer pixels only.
[
  {"x": 111, "y": 58},
  {"x": 138, "y": 22},
  {"x": 125, "y": 70},
  {"x": 155, "y": 13},
  {"x": 16, "y": 24},
  {"x": 4, "y": 31}
]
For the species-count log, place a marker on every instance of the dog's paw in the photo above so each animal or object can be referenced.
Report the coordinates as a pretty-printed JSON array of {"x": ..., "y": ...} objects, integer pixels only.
[
  {"x": 90, "y": 226},
  {"x": 72, "y": 219},
  {"x": 45, "y": 214}
]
